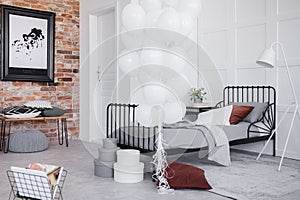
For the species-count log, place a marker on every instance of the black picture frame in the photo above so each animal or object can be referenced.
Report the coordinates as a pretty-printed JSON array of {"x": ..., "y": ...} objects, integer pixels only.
[{"x": 27, "y": 44}]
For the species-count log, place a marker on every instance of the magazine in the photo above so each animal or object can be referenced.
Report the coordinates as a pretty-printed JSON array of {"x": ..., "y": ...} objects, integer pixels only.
[
  {"x": 32, "y": 183},
  {"x": 53, "y": 173}
]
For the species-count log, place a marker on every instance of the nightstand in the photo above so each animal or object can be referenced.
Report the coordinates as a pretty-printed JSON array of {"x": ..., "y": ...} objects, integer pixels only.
[
  {"x": 198, "y": 108},
  {"x": 192, "y": 111}
]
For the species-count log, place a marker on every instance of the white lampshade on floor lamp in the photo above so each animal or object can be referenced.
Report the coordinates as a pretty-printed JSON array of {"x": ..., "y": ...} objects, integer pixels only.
[{"x": 267, "y": 59}]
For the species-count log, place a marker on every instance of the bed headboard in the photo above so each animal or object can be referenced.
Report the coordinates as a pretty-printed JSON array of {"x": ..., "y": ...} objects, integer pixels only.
[{"x": 259, "y": 94}]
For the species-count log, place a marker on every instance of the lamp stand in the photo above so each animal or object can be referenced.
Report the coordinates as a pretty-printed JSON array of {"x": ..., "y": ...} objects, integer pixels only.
[
  {"x": 294, "y": 113},
  {"x": 288, "y": 136}
]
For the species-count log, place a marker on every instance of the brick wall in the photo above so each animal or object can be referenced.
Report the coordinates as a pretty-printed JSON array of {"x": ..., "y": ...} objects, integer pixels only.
[{"x": 64, "y": 93}]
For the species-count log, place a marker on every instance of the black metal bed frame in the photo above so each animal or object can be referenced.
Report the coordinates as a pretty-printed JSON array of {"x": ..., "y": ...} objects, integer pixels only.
[
  {"x": 122, "y": 115},
  {"x": 266, "y": 124},
  {"x": 119, "y": 115}
]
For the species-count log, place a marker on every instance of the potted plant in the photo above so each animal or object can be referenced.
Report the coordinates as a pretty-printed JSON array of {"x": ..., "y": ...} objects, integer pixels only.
[{"x": 197, "y": 95}]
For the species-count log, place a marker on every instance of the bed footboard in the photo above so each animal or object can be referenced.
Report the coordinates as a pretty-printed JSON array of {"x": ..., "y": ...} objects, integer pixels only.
[{"x": 121, "y": 124}]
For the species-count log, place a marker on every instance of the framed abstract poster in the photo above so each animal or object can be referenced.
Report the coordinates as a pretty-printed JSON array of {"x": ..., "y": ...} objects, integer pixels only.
[{"x": 27, "y": 44}]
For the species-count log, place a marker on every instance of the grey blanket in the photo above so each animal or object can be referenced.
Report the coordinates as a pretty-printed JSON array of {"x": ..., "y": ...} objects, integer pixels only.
[{"x": 216, "y": 138}]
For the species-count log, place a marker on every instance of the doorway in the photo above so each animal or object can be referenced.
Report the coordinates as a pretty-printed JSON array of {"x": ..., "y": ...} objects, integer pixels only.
[{"x": 103, "y": 72}]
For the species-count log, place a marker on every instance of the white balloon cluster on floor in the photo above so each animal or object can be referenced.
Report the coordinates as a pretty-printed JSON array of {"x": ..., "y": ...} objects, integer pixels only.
[{"x": 158, "y": 101}]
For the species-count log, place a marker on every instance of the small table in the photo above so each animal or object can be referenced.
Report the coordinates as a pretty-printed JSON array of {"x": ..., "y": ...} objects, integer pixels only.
[
  {"x": 198, "y": 108},
  {"x": 61, "y": 122}
]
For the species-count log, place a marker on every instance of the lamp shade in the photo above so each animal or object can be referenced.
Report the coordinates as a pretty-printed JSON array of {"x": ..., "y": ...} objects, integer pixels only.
[{"x": 267, "y": 58}]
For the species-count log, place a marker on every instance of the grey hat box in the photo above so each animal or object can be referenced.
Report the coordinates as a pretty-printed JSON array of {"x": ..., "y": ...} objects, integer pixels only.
[
  {"x": 110, "y": 143},
  {"x": 103, "y": 169},
  {"x": 107, "y": 155}
]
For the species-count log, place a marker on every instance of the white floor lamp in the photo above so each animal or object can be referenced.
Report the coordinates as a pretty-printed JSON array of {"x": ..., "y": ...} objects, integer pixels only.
[{"x": 267, "y": 59}]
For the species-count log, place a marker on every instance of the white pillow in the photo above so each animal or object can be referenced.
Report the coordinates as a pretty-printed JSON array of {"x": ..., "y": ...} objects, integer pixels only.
[{"x": 219, "y": 116}]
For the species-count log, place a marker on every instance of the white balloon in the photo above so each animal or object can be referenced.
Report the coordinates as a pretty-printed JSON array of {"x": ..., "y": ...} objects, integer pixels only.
[
  {"x": 179, "y": 85},
  {"x": 128, "y": 61},
  {"x": 152, "y": 18},
  {"x": 186, "y": 22},
  {"x": 133, "y": 16},
  {"x": 143, "y": 114},
  {"x": 193, "y": 36},
  {"x": 173, "y": 113},
  {"x": 149, "y": 73},
  {"x": 132, "y": 39},
  {"x": 171, "y": 95},
  {"x": 174, "y": 61},
  {"x": 171, "y": 3},
  {"x": 169, "y": 19},
  {"x": 158, "y": 115},
  {"x": 155, "y": 94},
  {"x": 151, "y": 56},
  {"x": 137, "y": 96},
  {"x": 183, "y": 108},
  {"x": 192, "y": 7},
  {"x": 150, "y": 5}
]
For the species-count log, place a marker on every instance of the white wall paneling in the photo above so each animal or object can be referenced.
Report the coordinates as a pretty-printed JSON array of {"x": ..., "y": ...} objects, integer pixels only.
[
  {"x": 217, "y": 18},
  {"x": 288, "y": 7},
  {"x": 234, "y": 33},
  {"x": 250, "y": 26},
  {"x": 287, "y": 32},
  {"x": 285, "y": 95},
  {"x": 216, "y": 47},
  {"x": 250, "y": 76},
  {"x": 250, "y": 10},
  {"x": 249, "y": 41}
]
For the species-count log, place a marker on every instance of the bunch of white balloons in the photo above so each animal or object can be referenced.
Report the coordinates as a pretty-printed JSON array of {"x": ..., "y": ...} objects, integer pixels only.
[
  {"x": 158, "y": 102},
  {"x": 175, "y": 15}
]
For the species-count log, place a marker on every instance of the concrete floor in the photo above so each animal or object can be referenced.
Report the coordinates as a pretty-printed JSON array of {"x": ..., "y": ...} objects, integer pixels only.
[{"x": 82, "y": 184}]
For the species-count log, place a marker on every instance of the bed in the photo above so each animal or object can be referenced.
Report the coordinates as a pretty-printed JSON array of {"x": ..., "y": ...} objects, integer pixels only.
[{"x": 121, "y": 123}]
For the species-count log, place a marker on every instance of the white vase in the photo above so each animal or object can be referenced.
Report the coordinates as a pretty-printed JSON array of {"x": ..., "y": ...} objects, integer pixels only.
[{"x": 198, "y": 100}]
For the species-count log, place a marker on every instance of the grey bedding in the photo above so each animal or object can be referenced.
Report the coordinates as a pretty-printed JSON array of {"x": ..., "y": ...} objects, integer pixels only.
[{"x": 187, "y": 138}]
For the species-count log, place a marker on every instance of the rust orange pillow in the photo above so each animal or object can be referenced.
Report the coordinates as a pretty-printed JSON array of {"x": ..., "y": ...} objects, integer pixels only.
[
  {"x": 186, "y": 176},
  {"x": 239, "y": 113}
]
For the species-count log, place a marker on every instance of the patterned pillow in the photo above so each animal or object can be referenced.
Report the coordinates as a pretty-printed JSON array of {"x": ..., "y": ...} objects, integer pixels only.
[{"x": 20, "y": 112}]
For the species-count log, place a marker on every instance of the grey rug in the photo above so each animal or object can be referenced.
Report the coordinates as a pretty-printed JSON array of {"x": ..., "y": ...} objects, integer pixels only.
[{"x": 248, "y": 178}]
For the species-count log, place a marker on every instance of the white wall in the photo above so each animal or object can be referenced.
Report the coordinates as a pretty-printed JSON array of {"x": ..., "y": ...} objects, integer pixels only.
[{"x": 234, "y": 33}]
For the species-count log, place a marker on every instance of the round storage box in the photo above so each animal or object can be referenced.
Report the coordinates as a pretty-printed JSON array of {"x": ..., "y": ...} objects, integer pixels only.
[
  {"x": 128, "y": 157},
  {"x": 107, "y": 155},
  {"x": 110, "y": 143},
  {"x": 128, "y": 174},
  {"x": 103, "y": 169},
  {"x": 27, "y": 141}
]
